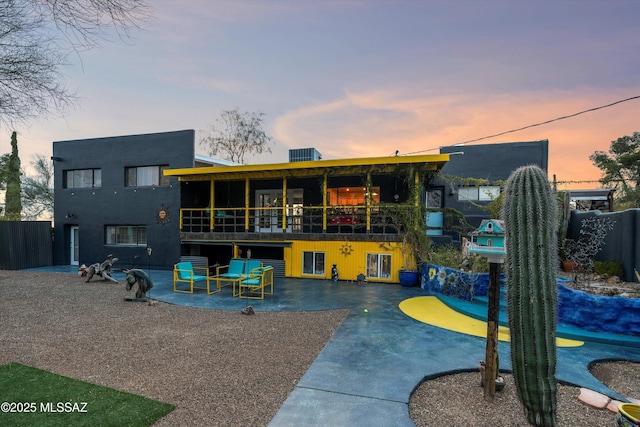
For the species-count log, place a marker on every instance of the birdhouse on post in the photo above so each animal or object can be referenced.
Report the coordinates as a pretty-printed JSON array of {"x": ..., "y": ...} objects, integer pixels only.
[{"x": 489, "y": 240}]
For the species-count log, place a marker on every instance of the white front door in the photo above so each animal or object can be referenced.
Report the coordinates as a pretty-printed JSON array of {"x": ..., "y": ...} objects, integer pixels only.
[{"x": 75, "y": 245}]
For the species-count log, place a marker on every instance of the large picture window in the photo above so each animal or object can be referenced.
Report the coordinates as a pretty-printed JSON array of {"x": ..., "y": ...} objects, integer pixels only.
[
  {"x": 313, "y": 263},
  {"x": 146, "y": 176},
  {"x": 352, "y": 195},
  {"x": 379, "y": 266},
  {"x": 83, "y": 178},
  {"x": 126, "y": 235}
]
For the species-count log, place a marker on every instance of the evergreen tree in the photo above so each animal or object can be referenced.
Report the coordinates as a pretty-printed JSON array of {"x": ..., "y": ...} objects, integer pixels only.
[
  {"x": 13, "y": 201},
  {"x": 37, "y": 190}
]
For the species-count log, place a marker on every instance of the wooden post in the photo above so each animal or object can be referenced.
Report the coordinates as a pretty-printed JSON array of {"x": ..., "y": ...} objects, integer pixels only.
[{"x": 493, "y": 310}]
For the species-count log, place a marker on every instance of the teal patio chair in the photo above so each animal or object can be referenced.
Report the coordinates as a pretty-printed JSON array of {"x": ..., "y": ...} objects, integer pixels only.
[
  {"x": 229, "y": 274},
  {"x": 250, "y": 266},
  {"x": 253, "y": 287},
  {"x": 184, "y": 272}
]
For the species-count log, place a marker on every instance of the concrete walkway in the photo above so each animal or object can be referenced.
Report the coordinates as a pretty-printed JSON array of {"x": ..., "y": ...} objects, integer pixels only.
[{"x": 367, "y": 371}]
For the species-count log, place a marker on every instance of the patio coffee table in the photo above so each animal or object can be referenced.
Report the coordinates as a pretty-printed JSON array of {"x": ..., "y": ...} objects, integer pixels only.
[{"x": 229, "y": 281}]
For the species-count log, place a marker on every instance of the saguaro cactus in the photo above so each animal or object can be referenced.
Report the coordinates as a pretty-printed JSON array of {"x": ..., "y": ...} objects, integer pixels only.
[{"x": 530, "y": 221}]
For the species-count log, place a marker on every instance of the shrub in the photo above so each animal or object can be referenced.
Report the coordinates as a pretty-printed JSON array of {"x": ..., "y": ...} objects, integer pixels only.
[
  {"x": 608, "y": 268},
  {"x": 452, "y": 257}
]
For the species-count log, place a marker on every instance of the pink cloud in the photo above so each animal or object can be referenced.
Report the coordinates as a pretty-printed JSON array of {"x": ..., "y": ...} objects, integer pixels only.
[{"x": 377, "y": 123}]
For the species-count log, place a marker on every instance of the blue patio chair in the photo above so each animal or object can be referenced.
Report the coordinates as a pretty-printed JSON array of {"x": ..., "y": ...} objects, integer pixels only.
[
  {"x": 249, "y": 266},
  {"x": 183, "y": 272},
  {"x": 229, "y": 274},
  {"x": 253, "y": 287},
  {"x": 233, "y": 271}
]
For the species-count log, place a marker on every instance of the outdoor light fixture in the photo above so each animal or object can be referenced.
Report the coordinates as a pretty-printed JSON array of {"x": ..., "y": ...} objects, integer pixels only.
[
  {"x": 56, "y": 159},
  {"x": 149, "y": 250}
]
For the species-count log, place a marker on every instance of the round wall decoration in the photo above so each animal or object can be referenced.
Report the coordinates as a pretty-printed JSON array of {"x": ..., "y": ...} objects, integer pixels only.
[
  {"x": 346, "y": 249},
  {"x": 163, "y": 216}
]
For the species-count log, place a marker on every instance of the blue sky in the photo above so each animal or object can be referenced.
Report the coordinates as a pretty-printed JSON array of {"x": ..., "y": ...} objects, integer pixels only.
[{"x": 366, "y": 78}]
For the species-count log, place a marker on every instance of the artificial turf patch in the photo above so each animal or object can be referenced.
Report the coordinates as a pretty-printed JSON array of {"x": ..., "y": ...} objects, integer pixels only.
[{"x": 33, "y": 397}]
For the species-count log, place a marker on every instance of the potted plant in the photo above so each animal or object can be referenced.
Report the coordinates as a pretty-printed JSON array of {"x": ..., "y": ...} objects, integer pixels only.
[
  {"x": 409, "y": 220},
  {"x": 567, "y": 262},
  {"x": 414, "y": 243}
]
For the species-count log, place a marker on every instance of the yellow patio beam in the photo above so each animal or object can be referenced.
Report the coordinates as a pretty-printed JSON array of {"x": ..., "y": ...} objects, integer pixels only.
[
  {"x": 368, "y": 203},
  {"x": 247, "y": 188},
  {"x": 284, "y": 204},
  {"x": 311, "y": 168},
  {"x": 325, "y": 179},
  {"x": 212, "y": 205}
]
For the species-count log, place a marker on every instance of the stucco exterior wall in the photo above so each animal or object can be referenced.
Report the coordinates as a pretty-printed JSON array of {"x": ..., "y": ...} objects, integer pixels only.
[
  {"x": 491, "y": 162},
  {"x": 91, "y": 209}
]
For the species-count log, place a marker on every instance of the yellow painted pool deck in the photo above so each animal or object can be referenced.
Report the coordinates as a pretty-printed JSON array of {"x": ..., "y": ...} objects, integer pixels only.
[{"x": 430, "y": 310}]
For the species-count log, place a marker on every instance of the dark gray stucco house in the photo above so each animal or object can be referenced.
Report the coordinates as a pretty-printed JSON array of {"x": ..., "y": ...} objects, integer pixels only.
[
  {"x": 474, "y": 175},
  {"x": 111, "y": 197}
]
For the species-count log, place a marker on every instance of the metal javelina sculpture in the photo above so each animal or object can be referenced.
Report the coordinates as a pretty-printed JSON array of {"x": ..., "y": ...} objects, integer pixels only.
[{"x": 141, "y": 278}]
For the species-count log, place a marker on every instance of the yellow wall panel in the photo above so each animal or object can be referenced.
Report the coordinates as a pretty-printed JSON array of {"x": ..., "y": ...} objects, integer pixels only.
[{"x": 350, "y": 258}]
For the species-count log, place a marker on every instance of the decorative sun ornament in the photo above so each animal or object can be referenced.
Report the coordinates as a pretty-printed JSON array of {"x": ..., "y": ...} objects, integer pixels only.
[
  {"x": 163, "y": 216},
  {"x": 346, "y": 249}
]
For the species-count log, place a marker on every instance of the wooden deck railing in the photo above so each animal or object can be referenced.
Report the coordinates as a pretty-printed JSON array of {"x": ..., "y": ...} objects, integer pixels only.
[{"x": 298, "y": 219}]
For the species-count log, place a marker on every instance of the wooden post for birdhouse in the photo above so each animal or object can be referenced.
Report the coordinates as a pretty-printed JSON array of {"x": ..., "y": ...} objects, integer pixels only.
[
  {"x": 493, "y": 309},
  {"x": 489, "y": 240}
]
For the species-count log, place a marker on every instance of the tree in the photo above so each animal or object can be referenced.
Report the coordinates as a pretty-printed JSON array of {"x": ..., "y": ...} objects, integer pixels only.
[
  {"x": 236, "y": 135},
  {"x": 621, "y": 168},
  {"x": 13, "y": 203},
  {"x": 36, "y": 37},
  {"x": 37, "y": 190}
]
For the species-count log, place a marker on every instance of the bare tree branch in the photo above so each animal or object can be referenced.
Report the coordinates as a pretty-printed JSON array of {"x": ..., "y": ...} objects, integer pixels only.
[
  {"x": 236, "y": 135},
  {"x": 36, "y": 37}
]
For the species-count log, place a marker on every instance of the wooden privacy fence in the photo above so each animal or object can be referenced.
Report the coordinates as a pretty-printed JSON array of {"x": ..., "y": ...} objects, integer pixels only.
[{"x": 25, "y": 244}]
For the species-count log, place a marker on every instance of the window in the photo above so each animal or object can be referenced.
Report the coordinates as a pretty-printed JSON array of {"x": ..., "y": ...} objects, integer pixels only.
[
  {"x": 129, "y": 235},
  {"x": 352, "y": 195},
  {"x": 488, "y": 192},
  {"x": 313, "y": 263},
  {"x": 434, "y": 198},
  {"x": 83, "y": 178},
  {"x": 379, "y": 266},
  {"x": 481, "y": 193},
  {"x": 468, "y": 193},
  {"x": 145, "y": 176}
]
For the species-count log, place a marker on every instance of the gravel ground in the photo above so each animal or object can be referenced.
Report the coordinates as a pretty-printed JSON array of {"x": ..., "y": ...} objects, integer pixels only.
[
  {"x": 222, "y": 368},
  {"x": 219, "y": 368},
  {"x": 458, "y": 400}
]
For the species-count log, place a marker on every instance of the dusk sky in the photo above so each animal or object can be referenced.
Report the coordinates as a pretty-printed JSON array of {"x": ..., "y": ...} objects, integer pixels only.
[{"x": 366, "y": 78}]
